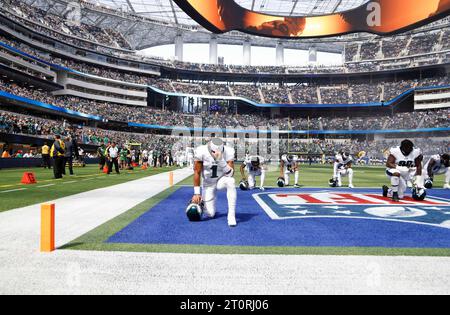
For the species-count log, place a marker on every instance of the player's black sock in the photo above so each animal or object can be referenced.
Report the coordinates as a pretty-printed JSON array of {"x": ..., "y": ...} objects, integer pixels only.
[
  {"x": 395, "y": 197},
  {"x": 385, "y": 191}
]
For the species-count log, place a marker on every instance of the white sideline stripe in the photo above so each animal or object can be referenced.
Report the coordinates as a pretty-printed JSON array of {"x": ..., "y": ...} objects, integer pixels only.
[
  {"x": 12, "y": 190},
  {"x": 71, "y": 182},
  {"x": 79, "y": 214},
  {"x": 49, "y": 185}
]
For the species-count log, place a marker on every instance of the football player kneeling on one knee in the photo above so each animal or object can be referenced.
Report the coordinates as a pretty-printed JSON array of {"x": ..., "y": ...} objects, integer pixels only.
[
  {"x": 289, "y": 165},
  {"x": 402, "y": 163},
  {"x": 214, "y": 165},
  {"x": 343, "y": 168},
  {"x": 437, "y": 165},
  {"x": 254, "y": 165}
]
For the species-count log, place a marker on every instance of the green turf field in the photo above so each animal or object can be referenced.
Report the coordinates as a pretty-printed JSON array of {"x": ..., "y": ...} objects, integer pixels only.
[
  {"x": 15, "y": 195},
  {"x": 315, "y": 176},
  {"x": 318, "y": 176}
]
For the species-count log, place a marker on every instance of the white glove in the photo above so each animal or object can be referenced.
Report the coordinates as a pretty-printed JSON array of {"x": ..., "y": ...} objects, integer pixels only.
[{"x": 420, "y": 182}]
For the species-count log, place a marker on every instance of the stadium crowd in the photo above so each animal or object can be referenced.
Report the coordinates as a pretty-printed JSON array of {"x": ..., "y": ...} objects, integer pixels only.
[
  {"x": 262, "y": 93},
  {"x": 147, "y": 115},
  {"x": 14, "y": 123},
  {"x": 360, "y": 57}
]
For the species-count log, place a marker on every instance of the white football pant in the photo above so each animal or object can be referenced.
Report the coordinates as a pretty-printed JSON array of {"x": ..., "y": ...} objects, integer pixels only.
[
  {"x": 344, "y": 173},
  {"x": 252, "y": 178},
  {"x": 399, "y": 184},
  {"x": 287, "y": 176},
  {"x": 210, "y": 196}
]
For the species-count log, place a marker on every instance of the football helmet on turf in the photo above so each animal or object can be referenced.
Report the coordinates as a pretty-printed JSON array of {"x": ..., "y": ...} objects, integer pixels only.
[{"x": 194, "y": 212}]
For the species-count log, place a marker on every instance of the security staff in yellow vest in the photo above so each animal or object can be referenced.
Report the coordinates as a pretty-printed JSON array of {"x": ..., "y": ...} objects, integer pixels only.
[
  {"x": 46, "y": 156},
  {"x": 57, "y": 153}
]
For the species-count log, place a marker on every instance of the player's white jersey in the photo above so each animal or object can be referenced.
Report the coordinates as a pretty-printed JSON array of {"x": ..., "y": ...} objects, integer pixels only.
[
  {"x": 249, "y": 166},
  {"x": 211, "y": 171},
  {"x": 289, "y": 164},
  {"x": 438, "y": 166},
  {"x": 403, "y": 161},
  {"x": 341, "y": 161}
]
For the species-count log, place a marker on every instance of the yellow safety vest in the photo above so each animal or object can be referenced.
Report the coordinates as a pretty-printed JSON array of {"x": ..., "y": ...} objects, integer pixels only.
[
  {"x": 62, "y": 145},
  {"x": 45, "y": 149}
]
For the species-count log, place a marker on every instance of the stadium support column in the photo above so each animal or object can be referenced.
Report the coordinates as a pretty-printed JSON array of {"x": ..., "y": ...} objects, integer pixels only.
[
  {"x": 213, "y": 50},
  {"x": 312, "y": 55},
  {"x": 247, "y": 52},
  {"x": 179, "y": 43},
  {"x": 280, "y": 54}
]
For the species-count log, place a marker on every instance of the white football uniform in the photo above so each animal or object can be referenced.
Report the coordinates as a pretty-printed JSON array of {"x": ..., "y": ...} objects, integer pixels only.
[
  {"x": 289, "y": 168},
  {"x": 253, "y": 172},
  {"x": 216, "y": 177},
  {"x": 406, "y": 167},
  {"x": 438, "y": 168},
  {"x": 190, "y": 157},
  {"x": 340, "y": 169}
]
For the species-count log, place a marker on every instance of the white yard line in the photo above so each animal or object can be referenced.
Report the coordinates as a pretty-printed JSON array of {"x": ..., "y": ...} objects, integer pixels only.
[
  {"x": 44, "y": 186},
  {"x": 12, "y": 190},
  {"x": 23, "y": 270},
  {"x": 78, "y": 214},
  {"x": 81, "y": 272}
]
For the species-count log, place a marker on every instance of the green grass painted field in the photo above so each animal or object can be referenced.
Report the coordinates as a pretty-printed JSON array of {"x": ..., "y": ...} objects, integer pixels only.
[
  {"x": 14, "y": 195},
  {"x": 317, "y": 176}
]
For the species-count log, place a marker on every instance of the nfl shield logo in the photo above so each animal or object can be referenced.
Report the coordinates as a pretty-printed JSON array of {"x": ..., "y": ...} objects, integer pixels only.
[{"x": 347, "y": 205}]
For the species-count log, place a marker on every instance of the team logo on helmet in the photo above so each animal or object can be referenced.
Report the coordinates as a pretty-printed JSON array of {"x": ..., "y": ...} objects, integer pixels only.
[
  {"x": 244, "y": 185},
  {"x": 194, "y": 212},
  {"x": 280, "y": 182},
  {"x": 419, "y": 194},
  {"x": 333, "y": 182}
]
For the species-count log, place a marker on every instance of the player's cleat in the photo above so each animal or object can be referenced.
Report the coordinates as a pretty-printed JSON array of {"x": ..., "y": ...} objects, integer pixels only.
[
  {"x": 232, "y": 222},
  {"x": 262, "y": 189},
  {"x": 395, "y": 197},
  {"x": 446, "y": 186},
  {"x": 385, "y": 191},
  {"x": 297, "y": 186},
  {"x": 351, "y": 186}
]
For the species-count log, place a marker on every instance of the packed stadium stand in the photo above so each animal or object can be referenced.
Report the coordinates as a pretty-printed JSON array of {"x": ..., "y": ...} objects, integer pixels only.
[{"x": 89, "y": 80}]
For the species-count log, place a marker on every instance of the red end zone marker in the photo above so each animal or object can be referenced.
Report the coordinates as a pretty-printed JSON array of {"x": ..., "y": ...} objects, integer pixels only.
[{"x": 28, "y": 178}]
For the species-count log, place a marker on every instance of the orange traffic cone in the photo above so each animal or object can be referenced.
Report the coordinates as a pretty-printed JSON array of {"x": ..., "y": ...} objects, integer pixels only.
[
  {"x": 105, "y": 170},
  {"x": 28, "y": 178}
]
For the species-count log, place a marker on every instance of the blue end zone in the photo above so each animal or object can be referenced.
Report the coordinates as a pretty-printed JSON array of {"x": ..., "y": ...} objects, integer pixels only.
[{"x": 166, "y": 223}]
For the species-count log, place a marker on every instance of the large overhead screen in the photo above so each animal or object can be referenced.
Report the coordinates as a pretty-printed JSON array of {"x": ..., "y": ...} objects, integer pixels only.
[{"x": 383, "y": 17}]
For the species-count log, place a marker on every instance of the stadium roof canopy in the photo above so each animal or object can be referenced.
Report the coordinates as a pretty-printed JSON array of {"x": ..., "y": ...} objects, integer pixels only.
[{"x": 169, "y": 11}]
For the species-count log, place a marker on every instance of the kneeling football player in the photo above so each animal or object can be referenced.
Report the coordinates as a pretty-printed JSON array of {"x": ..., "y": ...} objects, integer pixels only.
[
  {"x": 402, "y": 162},
  {"x": 343, "y": 168},
  {"x": 289, "y": 165},
  {"x": 214, "y": 164},
  {"x": 437, "y": 165},
  {"x": 254, "y": 165}
]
